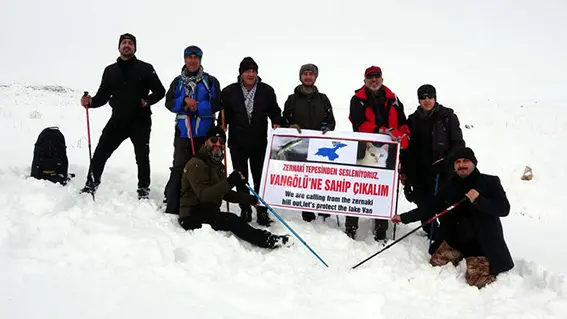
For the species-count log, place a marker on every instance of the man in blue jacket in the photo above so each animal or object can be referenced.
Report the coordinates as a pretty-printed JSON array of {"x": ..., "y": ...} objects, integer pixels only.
[{"x": 194, "y": 96}]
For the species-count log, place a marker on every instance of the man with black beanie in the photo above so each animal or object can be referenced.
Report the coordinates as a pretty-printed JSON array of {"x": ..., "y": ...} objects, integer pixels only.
[
  {"x": 248, "y": 103},
  {"x": 126, "y": 86},
  {"x": 436, "y": 134},
  {"x": 204, "y": 187},
  {"x": 472, "y": 230}
]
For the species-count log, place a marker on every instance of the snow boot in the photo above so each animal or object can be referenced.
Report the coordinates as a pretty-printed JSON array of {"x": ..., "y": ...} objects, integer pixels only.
[
  {"x": 478, "y": 272},
  {"x": 246, "y": 213},
  {"x": 308, "y": 216},
  {"x": 262, "y": 216},
  {"x": 90, "y": 187},
  {"x": 350, "y": 231},
  {"x": 380, "y": 227},
  {"x": 444, "y": 255},
  {"x": 277, "y": 241},
  {"x": 143, "y": 193}
]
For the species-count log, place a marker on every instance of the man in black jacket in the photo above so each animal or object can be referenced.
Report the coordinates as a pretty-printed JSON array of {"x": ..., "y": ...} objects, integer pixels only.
[
  {"x": 307, "y": 108},
  {"x": 472, "y": 230},
  {"x": 436, "y": 134},
  {"x": 248, "y": 104},
  {"x": 126, "y": 86}
]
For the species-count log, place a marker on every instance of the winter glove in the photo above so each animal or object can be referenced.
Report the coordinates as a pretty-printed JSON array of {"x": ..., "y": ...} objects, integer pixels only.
[
  {"x": 236, "y": 179},
  {"x": 190, "y": 223},
  {"x": 295, "y": 126},
  {"x": 398, "y": 136},
  {"x": 250, "y": 200},
  {"x": 324, "y": 128}
]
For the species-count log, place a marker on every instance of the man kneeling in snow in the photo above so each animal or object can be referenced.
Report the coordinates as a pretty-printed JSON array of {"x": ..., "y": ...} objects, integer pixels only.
[
  {"x": 203, "y": 188},
  {"x": 473, "y": 229}
]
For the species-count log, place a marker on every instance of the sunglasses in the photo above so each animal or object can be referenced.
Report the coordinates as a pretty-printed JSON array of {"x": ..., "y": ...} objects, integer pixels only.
[
  {"x": 193, "y": 50},
  {"x": 215, "y": 139}
]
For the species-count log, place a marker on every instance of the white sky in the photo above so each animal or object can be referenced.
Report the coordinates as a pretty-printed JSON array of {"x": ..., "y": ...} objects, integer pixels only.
[{"x": 470, "y": 50}]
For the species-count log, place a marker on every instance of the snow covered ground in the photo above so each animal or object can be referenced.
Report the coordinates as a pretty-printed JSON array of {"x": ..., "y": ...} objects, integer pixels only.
[{"x": 64, "y": 256}]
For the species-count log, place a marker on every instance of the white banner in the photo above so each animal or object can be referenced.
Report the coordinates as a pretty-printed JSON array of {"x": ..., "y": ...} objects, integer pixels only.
[{"x": 346, "y": 173}]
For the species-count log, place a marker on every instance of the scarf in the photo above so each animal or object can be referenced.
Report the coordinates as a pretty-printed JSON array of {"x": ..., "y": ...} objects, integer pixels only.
[
  {"x": 191, "y": 81},
  {"x": 249, "y": 99}
]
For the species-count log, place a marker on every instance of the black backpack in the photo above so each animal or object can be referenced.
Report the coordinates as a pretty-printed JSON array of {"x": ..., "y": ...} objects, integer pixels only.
[{"x": 50, "y": 160}]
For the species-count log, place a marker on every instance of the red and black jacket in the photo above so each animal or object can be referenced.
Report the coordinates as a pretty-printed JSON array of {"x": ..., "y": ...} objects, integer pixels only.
[{"x": 368, "y": 113}]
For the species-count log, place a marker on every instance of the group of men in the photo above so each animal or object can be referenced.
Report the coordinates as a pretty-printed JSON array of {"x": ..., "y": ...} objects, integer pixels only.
[{"x": 436, "y": 167}]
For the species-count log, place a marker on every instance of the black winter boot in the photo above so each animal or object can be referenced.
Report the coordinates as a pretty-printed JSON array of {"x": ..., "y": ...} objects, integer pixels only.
[
  {"x": 246, "y": 213},
  {"x": 277, "y": 241},
  {"x": 90, "y": 187},
  {"x": 262, "y": 216},
  {"x": 144, "y": 193}
]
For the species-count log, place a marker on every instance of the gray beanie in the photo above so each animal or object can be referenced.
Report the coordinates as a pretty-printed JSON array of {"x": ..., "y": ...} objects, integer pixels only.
[{"x": 309, "y": 67}]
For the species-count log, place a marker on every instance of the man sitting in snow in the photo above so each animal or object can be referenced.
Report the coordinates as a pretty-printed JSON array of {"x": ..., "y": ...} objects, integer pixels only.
[
  {"x": 203, "y": 188},
  {"x": 473, "y": 229}
]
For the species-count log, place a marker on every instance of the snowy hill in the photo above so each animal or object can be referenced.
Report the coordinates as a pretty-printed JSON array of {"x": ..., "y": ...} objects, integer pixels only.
[
  {"x": 120, "y": 258},
  {"x": 500, "y": 64}
]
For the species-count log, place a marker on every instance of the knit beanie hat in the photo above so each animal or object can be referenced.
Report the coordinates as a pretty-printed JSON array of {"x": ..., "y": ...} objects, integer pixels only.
[
  {"x": 127, "y": 36},
  {"x": 215, "y": 131},
  {"x": 425, "y": 91},
  {"x": 465, "y": 152},
  {"x": 309, "y": 67},
  {"x": 247, "y": 64}
]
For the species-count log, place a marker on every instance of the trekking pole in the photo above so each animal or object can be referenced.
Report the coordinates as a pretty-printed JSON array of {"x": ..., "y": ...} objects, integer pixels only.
[
  {"x": 285, "y": 224},
  {"x": 448, "y": 209},
  {"x": 85, "y": 94},
  {"x": 223, "y": 125}
]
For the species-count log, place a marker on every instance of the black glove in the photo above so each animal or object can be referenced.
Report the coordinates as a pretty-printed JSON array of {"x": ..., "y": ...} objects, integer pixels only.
[
  {"x": 236, "y": 179},
  {"x": 190, "y": 223},
  {"x": 250, "y": 200}
]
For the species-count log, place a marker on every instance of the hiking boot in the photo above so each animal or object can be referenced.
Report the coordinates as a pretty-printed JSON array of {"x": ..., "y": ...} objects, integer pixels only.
[
  {"x": 380, "y": 227},
  {"x": 143, "y": 193},
  {"x": 90, "y": 187},
  {"x": 478, "y": 272},
  {"x": 444, "y": 255},
  {"x": 277, "y": 241},
  {"x": 308, "y": 216},
  {"x": 325, "y": 216},
  {"x": 262, "y": 216},
  {"x": 351, "y": 232},
  {"x": 246, "y": 214}
]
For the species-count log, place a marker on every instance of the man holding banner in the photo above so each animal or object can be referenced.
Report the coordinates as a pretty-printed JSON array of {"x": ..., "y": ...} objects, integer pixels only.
[{"x": 376, "y": 109}]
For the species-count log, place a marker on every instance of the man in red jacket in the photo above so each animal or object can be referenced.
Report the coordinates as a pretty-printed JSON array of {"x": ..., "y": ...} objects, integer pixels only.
[{"x": 374, "y": 108}]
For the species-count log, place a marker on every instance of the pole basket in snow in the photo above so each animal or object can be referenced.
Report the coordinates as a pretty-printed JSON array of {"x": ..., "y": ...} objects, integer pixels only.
[
  {"x": 285, "y": 224},
  {"x": 448, "y": 209}
]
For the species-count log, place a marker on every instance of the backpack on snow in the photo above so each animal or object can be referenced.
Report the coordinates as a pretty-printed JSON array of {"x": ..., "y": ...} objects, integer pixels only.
[{"x": 50, "y": 160}]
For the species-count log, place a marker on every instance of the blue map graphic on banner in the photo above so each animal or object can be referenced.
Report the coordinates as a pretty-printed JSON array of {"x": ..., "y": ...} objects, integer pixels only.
[{"x": 330, "y": 152}]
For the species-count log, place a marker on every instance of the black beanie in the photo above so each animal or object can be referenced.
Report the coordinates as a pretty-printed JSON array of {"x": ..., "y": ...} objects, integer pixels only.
[
  {"x": 426, "y": 90},
  {"x": 215, "y": 131},
  {"x": 129, "y": 37},
  {"x": 247, "y": 64},
  {"x": 465, "y": 152},
  {"x": 309, "y": 67}
]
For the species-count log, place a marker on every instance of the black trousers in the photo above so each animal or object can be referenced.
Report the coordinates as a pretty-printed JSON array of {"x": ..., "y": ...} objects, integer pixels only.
[
  {"x": 182, "y": 153},
  {"x": 231, "y": 222},
  {"x": 240, "y": 157},
  {"x": 113, "y": 134}
]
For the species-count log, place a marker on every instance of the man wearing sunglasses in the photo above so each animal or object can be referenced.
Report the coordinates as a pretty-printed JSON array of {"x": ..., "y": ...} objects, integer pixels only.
[
  {"x": 204, "y": 187},
  {"x": 436, "y": 134},
  {"x": 374, "y": 108},
  {"x": 194, "y": 96},
  {"x": 126, "y": 86}
]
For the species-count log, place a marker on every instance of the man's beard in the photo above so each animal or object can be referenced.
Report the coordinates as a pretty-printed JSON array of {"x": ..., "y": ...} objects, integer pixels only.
[{"x": 216, "y": 156}]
